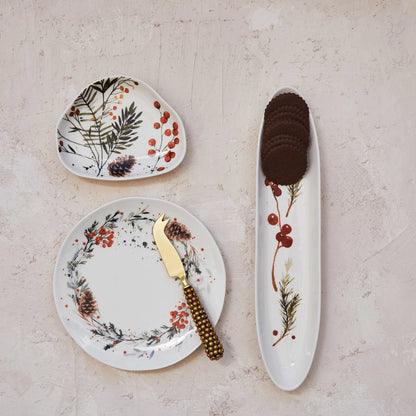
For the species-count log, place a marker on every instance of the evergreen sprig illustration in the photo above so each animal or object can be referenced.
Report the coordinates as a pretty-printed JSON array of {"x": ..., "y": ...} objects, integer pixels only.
[
  {"x": 134, "y": 218},
  {"x": 294, "y": 192},
  {"x": 289, "y": 302},
  {"x": 123, "y": 134},
  {"x": 92, "y": 120},
  {"x": 114, "y": 336}
]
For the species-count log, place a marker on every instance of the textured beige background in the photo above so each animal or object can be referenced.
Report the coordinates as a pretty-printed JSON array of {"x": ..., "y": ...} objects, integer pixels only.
[{"x": 217, "y": 63}]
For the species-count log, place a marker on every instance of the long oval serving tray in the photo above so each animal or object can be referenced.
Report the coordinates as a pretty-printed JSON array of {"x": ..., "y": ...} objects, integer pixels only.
[{"x": 288, "y": 279}]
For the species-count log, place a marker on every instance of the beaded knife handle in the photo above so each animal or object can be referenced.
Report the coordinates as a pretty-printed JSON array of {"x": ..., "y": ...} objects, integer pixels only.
[
  {"x": 174, "y": 267},
  {"x": 209, "y": 338}
]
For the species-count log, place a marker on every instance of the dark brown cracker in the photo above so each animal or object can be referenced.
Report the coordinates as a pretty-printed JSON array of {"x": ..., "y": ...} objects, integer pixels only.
[
  {"x": 286, "y": 109},
  {"x": 290, "y": 99},
  {"x": 287, "y": 116},
  {"x": 279, "y": 111},
  {"x": 287, "y": 127},
  {"x": 270, "y": 144},
  {"x": 285, "y": 163}
]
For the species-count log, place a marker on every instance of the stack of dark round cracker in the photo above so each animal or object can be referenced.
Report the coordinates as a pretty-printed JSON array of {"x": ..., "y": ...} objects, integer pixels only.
[{"x": 285, "y": 141}]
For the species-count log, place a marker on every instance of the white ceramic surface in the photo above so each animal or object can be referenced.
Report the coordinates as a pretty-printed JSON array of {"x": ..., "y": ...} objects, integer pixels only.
[
  {"x": 289, "y": 360},
  {"x": 113, "y": 293},
  {"x": 120, "y": 128}
]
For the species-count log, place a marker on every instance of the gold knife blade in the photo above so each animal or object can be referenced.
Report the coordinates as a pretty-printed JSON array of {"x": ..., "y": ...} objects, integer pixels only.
[
  {"x": 173, "y": 263},
  {"x": 170, "y": 256}
]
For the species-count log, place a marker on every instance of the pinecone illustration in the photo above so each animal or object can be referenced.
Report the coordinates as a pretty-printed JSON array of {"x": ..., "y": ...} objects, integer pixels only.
[
  {"x": 121, "y": 166},
  {"x": 177, "y": 231},
  {"x": 87, "y": 305}
]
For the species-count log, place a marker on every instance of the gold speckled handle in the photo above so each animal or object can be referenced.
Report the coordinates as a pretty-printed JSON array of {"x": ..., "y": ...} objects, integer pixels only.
[{"x": 206, "y": 331}]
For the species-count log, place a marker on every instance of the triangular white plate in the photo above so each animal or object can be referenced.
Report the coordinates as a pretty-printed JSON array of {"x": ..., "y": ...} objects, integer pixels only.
[
  {"x": 120, "y": 128},
  {"x": 288, "y": 354}
]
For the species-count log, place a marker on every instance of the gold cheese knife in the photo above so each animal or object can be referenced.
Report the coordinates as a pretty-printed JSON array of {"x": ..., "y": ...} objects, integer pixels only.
[{"x": 174, "y": 267}]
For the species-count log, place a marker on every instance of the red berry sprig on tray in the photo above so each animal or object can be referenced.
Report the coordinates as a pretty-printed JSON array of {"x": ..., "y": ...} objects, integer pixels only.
[
  {"x": 282, "y": 237},
  {"x": 273, "y": 219}
]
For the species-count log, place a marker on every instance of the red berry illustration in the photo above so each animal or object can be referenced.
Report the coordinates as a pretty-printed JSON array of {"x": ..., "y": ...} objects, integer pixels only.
[
  {"x": 126, "y": 90},
  {"x": 176, "y": 141},
  {"x": 293, "y": 337},
  {"x": 152, "y": 142},
  {"x": 171, "y": 145},
  {"x": 276, "y": 190},
  {"x": 286, "y": 229},
  {"x": 287, "y": 241},
  {"x": 160, "y": 169},
  {"x": 71, "y": 114},
  {"x": 122, "y": 88},
  {"x": 168, "y": 132},
  {"x": 77, "y": 112},
  {"x": 175, "y": 132},
  {"x": 280, "y": 236},
  {"x": 175, "y": 125},
  {"x": 156, "y": 104},
  {"x": 166, "y": 114},
  {"x": 115, "y": 107},
  {"x": 151, "y": 152},
  {"x": 61, "y": 143},
  {"x": 156, "y": 125},
  {"x": 172, "y": 155},
  {"x": 72, "y": 108},
  {"x": 266, "y": 182},
  {"x": 272, "y": 218},
  {"x": 163, "y": 120},
  {"x": 275, "y": 332},
  {"x": 167, "y": 159}
]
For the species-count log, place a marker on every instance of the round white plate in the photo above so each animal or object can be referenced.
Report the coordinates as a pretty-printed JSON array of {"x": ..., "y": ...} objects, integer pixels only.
[
  {"x": 119, "y": 128},
  {"x": 113, "y": 293},
  {"x": 288, "y": 277}
]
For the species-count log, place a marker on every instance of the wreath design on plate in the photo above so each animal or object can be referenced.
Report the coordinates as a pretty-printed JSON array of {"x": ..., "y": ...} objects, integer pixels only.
[{"x": 102, "y": 235}]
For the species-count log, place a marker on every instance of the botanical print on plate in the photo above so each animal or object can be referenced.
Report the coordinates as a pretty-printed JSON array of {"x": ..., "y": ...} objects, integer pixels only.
[
  {"x": 102, "y": 236},
  {"x": 118, "y": 128},
  {"x": 288, "y": 299}
]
